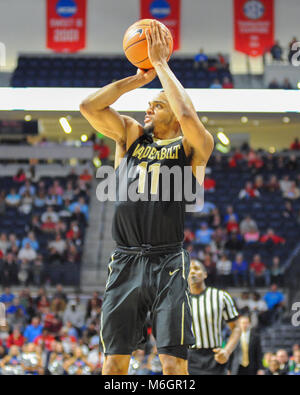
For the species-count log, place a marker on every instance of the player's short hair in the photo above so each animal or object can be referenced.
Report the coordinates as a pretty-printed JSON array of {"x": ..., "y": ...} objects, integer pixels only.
[{"x": 203, "y": 267}]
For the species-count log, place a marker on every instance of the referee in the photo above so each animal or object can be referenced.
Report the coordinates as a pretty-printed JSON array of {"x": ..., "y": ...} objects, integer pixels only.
[{"x": 210, "y": 306}]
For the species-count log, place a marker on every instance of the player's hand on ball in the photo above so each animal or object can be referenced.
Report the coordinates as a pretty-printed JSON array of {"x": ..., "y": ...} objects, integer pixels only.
[
  {"x": 158, "y": 46},
  {"x": 146, "y": 76},
  {"x": 221, "y": 355}
]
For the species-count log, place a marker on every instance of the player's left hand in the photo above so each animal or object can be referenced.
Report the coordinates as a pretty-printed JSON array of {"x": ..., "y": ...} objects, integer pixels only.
[
  {"x": 221, "y": 355},
  {"x": 158, "y": 47}
]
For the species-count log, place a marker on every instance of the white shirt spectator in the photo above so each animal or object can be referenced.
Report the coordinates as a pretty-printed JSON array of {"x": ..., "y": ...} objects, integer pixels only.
[
  {"x": 59, "y": 245},
  {"x": 54, "y": 216},
  {"x": 224, "y": 267},
  {"x": 27, "y": 253}
]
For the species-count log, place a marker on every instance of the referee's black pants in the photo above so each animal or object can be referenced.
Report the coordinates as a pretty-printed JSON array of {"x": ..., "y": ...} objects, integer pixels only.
[{"x": 202, "y": 362}]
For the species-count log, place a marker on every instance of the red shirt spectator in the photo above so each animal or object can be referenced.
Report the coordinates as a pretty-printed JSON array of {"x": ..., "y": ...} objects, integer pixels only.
[
  {"x": 20, "y": 176},
  {"x": 232, "y": 225},
  {"x": 102, "y": 149},
  {"x": 188, "y": 235},
  {"x": 258, "y": 267},
  {"x": 295, "y": 145},
  {"x": 46, "y": 339},
  {"x": 209, "y": 184},
  {"x": 48, "y": 226},
  {"x": 85, "y": 176},
  {"x": 272, "y": 237},
  {"x": 227, "y": 84},
  {"x": 15, "y": 339}
]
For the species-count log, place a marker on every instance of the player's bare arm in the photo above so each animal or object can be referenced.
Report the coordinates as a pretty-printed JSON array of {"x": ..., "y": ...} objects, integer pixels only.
[
  {"x": 196, "y": 138},
  {"x": 222, "y": 354},
  {"x": 96, "y": 109}
]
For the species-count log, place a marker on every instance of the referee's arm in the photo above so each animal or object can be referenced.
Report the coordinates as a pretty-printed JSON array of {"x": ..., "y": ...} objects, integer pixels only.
[{"x": 222, "y": 355}]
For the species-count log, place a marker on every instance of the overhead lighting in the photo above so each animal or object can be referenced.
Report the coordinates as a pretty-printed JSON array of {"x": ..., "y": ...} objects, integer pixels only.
[
  {"x": 83, "y": 138},
  {"x": 97, "y": 162},
  {"x": 298, "y": 85},
  {"x": 244, "y": 119},
  {"x": 204, "y": 119},
  {"x": 211, "y": 122},
  {"x": 255, "y": 122},
  {"x": 64, "y": 123},
  {"x": 272, "y": 150},
  {"x": 28, "y": 118},
  {"x": 285, "y": 119},
  {"x": 223, "y": 138}
]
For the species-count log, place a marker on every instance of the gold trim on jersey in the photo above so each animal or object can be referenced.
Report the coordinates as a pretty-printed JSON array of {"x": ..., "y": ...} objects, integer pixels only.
[
  {"x": 101, "y": 336},
  {"x": 182, "y": 325},
  {"x": 183, "y": 266},
  {"x": 167, "y": 141}
]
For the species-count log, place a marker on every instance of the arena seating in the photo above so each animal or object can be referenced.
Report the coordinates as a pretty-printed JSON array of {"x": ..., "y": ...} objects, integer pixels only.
[{"x": 50, "y": 71}]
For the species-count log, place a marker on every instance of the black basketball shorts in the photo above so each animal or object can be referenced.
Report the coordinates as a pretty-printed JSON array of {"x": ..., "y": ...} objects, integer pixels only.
[{"x": 142, "y": 280}]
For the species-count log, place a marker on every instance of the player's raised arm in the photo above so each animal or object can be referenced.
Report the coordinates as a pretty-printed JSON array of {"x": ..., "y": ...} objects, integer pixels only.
[
  {"x": 193, "y": 129},
  {"x": 95, "y": 108}
]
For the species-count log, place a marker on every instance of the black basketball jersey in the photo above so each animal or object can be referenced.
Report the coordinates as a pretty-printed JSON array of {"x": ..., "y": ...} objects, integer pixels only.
[{"x": 150, "y": 204}]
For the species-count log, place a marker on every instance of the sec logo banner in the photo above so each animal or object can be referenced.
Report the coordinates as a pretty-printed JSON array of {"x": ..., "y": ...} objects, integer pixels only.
[{"x": 254, "y": 9}]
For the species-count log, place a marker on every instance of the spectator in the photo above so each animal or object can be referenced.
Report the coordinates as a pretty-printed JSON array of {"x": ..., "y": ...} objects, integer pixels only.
[
  {"x": 252, "y": 236},
  {"x": 292, "y": 164},
  {"x": 276, "y": 51},
  {"x": 48, "y": 226},
  {"x": 288, "y": 211},
  {"x": 283, "y": 359},
  {"x": 45, "y": 339},
  {"x": 239, "y": 271},
  {"x": 13, "y": 199},
  {"x": 258, "y": 271},
  {"x": 274, "y": 298},
  {"x": 26, "y": 203},
  {"x": 235, "y": 242},
  {"x": 27, "y": 253},
  {"x": 286, "y": 84},
  {"x": 215, "y": 84},
  {"x": 243, "y": 303},
  {"x": 272, "y": 185},
  {"x": 295, "y": 146},
  {"x": 78, "y": 216},
  {"x": 59, "y": 293},
  {"x": 27, "y": 187},
  {"x": 227, "y": 84},
  {"x": 75, "y": 316},
  {"x": 38, "y": 270},
  {"x": 259, "y": 183},
  {"x": 201, "y": 59},
  {"x": 271, "y": 238},
  {"x": 4, "y": 243},
  {"x": 294, "y": 365},
  {"x": 285, "y": 184},
  {"x": 9, "y": 270},
  {"x": 33, "y": 330},
  {"x": 40, "y": 200},
  {"x": 59, "y": 244},
  {"x": 277, "y": 272},
  {"x": 204, "y": 234},
  {"x": 249, "y": 191},
  {"x": 203, "y": 209},
  {"x": 102, "y": 150},
  {"x": 273, "y": 368},
  {"x": 15, "y": 338},
  {"x": 7, "y": 296},
  {"x": 58, "y": 306},
  {"x": 49, "y": 213},
  {"x": 13, "y": 241},
  {"x": 274, "y": 84},
  {"x": 258, "y": 308},
  {"x": 53, "y": 199},
  {"x": 43, "y": 304},
  {"x": 293, "y": 192},
  {"x": 216, "y": 220},
  {"x": 57, "y": 189},
  {"x": 209, "y": 184},
  {"x": 2, "y": 203},
  {"x": 69, "y": 192},
  {"x": 232, "y": 225},
  {"x": 83, "y": 207},
  {"x": 20, "y": 176},
  {"x": 230, "y": 212},
  {"x": 85, "y": 176},
  {"x": 189, "y": 236},
  {"x": 31, "y": 239},
  {"x": 248, "y": 224},
  {"x": 223, "y": 267}
]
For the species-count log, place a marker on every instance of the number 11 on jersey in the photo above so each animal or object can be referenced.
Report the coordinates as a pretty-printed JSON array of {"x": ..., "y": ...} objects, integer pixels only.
[{"x": 154, "y": 169}]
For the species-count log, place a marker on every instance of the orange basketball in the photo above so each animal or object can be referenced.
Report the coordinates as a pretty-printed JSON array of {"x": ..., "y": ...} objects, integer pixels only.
[{"x": 135, "y": 43}]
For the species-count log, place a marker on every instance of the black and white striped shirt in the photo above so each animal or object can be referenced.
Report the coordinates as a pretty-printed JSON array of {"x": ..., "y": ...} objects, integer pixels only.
[{"x": 209, "y": 309}]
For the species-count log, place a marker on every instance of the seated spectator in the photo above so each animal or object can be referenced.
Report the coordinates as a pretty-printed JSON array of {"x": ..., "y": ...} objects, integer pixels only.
[
  {"x": 274, "y": 84},
  {"x": 272, "y": 185},
  {"x": 27, "y": 253},
  {"x": 227, "y": 84},
  {"x": 53, "y": 198},
  {"x": 37, "y": 270},
  {"x": 15, "y": 338},
  {"x": 78, "y": 361},
  {"x": 50, "y": 213},
  {"x": 31, "y": 239},
  {"x": 43, "y": 304},
  {"x": 58, "y": 306},
  {"x": 4, "y": 243},
  {"x": 243, "y": 303},
  {"x": 232, "y": 225},
  {"x": 283, "y": 359},
  {"x": 27, "y": 187},
  {"x": 215, "y": 84},
  {"x": 285, "y": 184},
  {"x": 239, "y": 271},
  {"x": 294, "y": 365},
  {"x": 13, "y": 199},
  {"x": 223, "y": 267},
  {"x": 286, "y": 84},
  {"x": 59, "y": 244},
  {"x": 78, "y": 216},
  {"x": 230, "y": 212},
  {"x": 258, "y": 271},
  {"x": 258, "y": 308},
  {"x": 252, "y": 236},
  {"x": 292, "y": 164},
  {"x": 295, "y": 146},
  {"x": 210, "y": 266},
  {"x": 275, "y": 303},
  {"x": 40, "y": 199},
  {"x": 248, "y": 192},
  {"x": 203, "y": 209},
  {"x": 13, "y": 241},
  {"x": 276, "y": 51},
  {"x": 45, "y": 339},
  {"x": 82, "y": 205},
  {"x": 259, "y": 183},
  {"x": 277, "y": 271},
  {"x": 20, "y": 176},
  {"x": 216, "y": 220},
  {"x": 85, "y": 176},
  {"x": 57, "y": 188},
  {"x": 35, "y": 225},
  {"x": 188, "y": 236},
  {"x": 273, "y": 369},
  {"x": 69, "y": 192},
  {"x": 201, "y": 59},
  {"x": 59, "y": 293},
  {"x": 9, "y": 270},
  {"x": 209, "y": 184},
  {"x": 7, "y": 296},
  {"x": 73, "y": 233},
  {"x": 33, "y": 330},
  {"x": 204, "y": 234},
  {"x": 102, "y": 150},
  {"x": 270, "y": 237},
  {"x": 26, "y": 203},
  {"x": 235, "y": 242},
  {"x": 12, "y": 307},
  {"x": 57, "y": 358},
  {"x": 2, "y": 203},
  {"x": 293, "y": 192},
  {"x": 248, "y": 224}
]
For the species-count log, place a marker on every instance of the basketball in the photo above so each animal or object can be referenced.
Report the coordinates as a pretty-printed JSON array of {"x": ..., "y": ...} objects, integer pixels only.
[{"x": 135, "y": 43}]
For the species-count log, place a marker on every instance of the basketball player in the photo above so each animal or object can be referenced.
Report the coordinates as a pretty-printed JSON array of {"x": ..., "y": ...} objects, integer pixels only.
[{"x": 148, "y": 270}]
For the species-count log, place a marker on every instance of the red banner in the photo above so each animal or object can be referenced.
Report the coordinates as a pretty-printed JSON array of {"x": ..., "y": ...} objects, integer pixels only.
[
  {"x": 165, "y": 11},
  {"x": 66, "y": 25},
  {"x": 253, "y": 26}
]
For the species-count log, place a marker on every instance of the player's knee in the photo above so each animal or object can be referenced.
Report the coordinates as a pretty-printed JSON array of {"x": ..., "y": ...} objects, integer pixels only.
[
  {"x": 171, "y": 365},
  {"x": 115, "y": 365}
]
